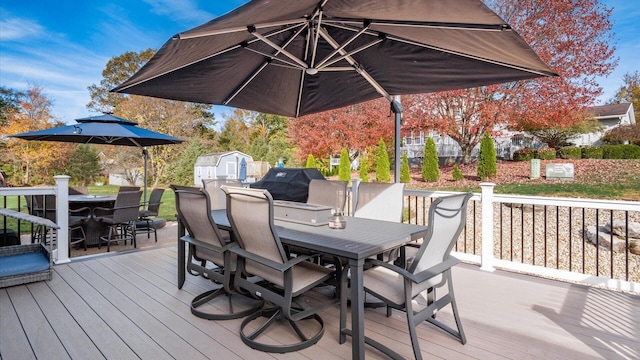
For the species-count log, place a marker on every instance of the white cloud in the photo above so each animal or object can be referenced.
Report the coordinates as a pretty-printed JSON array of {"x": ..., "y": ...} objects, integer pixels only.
[
  {"x": 180, "y": 11},
  {"x": 16, "y": 29}
]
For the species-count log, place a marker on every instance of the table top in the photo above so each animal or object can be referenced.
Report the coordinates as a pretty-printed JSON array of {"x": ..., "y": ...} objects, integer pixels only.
[
  {"x": 91, "y": 198},
  {"x": 362, "y": 238}
]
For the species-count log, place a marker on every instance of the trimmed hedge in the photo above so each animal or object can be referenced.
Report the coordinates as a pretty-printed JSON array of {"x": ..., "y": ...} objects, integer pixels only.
[
  {"x": 546, "y": 154},
  {"x": 631, "y": 151},
  {"x": 524, "y": 154},
  {"x": 592, "y": 152},
  {"x": 570, "y": 152},
  {"x": 612, "y": 152}
]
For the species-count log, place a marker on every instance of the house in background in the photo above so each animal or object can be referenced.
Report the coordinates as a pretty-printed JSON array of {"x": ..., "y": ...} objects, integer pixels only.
[
  {"x": 609, "y": 117},
  {"x": 508, "y": 142},
  {"x": 221, "y": 165}
]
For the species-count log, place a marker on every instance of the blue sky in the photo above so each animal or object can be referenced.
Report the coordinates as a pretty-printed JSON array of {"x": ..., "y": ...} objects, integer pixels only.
[{"x": 64, "y": 45}]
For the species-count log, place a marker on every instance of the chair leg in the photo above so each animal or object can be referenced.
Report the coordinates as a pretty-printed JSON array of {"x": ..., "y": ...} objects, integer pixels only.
[{"x": 412, "y": 331}]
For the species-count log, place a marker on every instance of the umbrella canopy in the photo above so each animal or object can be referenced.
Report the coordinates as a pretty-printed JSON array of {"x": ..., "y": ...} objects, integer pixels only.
[
  {"x": 104, "y": 130},
  {"x": 297, "y": 57}
]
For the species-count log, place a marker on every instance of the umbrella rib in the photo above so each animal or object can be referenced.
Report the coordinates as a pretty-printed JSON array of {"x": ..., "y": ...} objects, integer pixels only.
[
  {"x": 356, "y": 66},
  {"x": 355, "y": 51},
  {"x": 264, "y": 65},
  {"x": 279, "y": 49},
  {"x": 345, "y": 44}
]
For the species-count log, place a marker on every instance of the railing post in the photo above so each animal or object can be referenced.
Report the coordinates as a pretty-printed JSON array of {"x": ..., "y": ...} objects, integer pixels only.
[
  {"x": 61, "y": 254},
  {"x": 486, "y": 262}
]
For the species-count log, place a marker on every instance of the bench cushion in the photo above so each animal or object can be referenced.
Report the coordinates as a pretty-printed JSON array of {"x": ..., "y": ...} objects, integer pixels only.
[{"x": 23, "y": 264}]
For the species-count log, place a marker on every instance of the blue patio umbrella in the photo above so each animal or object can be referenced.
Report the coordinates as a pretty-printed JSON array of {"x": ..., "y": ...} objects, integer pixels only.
[
  {"x": 243, "y": 170},
  {"x": 105, "y": 129}
]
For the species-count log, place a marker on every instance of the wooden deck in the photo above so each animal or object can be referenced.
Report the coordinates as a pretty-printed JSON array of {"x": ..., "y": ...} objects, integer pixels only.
[{"x": 128, "y": 306}]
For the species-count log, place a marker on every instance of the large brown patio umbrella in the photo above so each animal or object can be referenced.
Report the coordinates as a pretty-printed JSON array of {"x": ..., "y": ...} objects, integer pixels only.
[{"x": 297, "y": 57}]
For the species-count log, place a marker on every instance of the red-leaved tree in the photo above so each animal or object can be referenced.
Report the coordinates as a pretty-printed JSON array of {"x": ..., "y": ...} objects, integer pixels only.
[
  {"x": 353, "y": 127},
  {"x": 572, "y": 36}
]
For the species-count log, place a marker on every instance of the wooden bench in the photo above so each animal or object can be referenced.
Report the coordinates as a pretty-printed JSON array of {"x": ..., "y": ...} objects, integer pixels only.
[{"x": 21, "y": 264}]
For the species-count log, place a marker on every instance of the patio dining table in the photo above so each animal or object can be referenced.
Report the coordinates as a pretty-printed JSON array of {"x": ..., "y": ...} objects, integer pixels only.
[
  {"x": 361, "y": 239},
  {"x": 92, "y": 228}
]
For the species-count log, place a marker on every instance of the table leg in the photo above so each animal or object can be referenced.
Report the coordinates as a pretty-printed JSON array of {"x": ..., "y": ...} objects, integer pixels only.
[
  {"x": 357, "y": 309},
  {"x": 181, "y": 254}
]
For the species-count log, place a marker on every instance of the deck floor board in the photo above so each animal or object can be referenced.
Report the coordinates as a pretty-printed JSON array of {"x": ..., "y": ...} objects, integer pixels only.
[{"x": 128, "y": 306}]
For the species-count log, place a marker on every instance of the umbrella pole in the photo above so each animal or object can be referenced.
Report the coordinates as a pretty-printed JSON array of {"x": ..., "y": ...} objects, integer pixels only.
[
  {"x": 397, "y": 109},
  {"x": 145, "y": 155}
]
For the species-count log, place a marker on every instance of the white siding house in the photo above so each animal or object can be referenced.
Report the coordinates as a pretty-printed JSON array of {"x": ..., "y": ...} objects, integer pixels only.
[
  {"x": 609, "y": 116},
  {"x": 222, "y": 165}
]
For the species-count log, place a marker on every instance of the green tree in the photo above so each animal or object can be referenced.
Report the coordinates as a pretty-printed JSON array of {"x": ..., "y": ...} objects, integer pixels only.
[
  {"x": 559, "y": 136},
  {"x": 405, "y": 174},
  {"x": 383, "y": 167},
  {"x": 84, "y": 165},
  {"x": 456, "y": 173},
  {"x": 430, "y": 167},
  {"x": 118, "y": 69},
  {"x": 487, "y": 162},
  {"x": 311, "y": 162},
  {"x": 344, "y": 170},
  {"x": 182, "y": 172},
  {"x": 629, "y": 92},
  {"x": 9, "y": 104},
  {"x": 364, "y": 168}
]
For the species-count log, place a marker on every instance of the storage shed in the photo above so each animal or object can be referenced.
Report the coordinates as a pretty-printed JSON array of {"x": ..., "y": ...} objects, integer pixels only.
[{"x": 221, "y": 165}]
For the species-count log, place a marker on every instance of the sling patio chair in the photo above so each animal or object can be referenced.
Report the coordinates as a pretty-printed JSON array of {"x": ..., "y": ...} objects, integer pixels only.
[
  {"x": 121, "y": 219},
  {"x": 206, "y": 245},
  {"x": 328, "y": 193},
  {"x": 45, "y": 206},
  {"x": 261, "y": 253},
  {"x": 430, "y": 269},
  {"x": 217, "y": 196},
  {"x": 145, "y": 223}
]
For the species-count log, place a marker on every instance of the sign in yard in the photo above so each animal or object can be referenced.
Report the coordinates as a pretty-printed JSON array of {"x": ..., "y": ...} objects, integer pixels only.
[{"x": 560, "y": 171}]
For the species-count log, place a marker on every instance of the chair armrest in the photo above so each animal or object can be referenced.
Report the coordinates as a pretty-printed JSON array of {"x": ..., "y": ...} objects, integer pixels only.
[
  {"x": 421, "y": 276},
  {"x": 208, "y": 246},
  {"x": 100, "y": 211},
  {"x": 83, "y": 211},
  {"x": 282, "y": 267}
]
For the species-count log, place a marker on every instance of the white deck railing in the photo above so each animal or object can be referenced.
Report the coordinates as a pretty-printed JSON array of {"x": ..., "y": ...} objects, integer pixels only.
[
  {"x": 61, "y": 190},
  {"x": 541, "y": 236}
]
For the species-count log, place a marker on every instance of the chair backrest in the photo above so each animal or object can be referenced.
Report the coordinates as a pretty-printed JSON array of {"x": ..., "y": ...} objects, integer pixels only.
[
  {"x": 194, "y": 209},
  {"x": 380, "y": 201},
  {"x": 250, "y": 212},
  {"x": 127, "y": 206},
  {"x": 128, "y": 188},
  {"x": 217, "y": 197},
  {"x": 45, "y": 206},
  {"x": 447, "y": 218},
  {"x": 155, "y": 200},
  {"x": 328, "y": 193}
]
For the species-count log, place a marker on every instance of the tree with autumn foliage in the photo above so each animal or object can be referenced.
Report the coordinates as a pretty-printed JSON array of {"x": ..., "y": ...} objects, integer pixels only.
[
  {"x": 33, "y": 162},
  {"x": 629, "y": 92},
  {"x": 176, "y": 118},
  {"x": 354, "y": 127},
  {"x": 572, "y": 36}
]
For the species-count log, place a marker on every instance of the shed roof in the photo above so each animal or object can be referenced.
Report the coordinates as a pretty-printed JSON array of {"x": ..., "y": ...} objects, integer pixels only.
[{"x": 213, "y": 159}]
